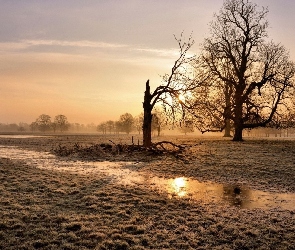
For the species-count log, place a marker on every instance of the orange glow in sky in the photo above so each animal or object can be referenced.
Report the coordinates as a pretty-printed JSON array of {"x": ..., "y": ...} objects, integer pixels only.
[{"x": 89, "y": 60}]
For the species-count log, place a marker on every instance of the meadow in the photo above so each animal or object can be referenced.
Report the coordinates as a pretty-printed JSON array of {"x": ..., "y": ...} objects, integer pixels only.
[{"x": 63, "y": 203}]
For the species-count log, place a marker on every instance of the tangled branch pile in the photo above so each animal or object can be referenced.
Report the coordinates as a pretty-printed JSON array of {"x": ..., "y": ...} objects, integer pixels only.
[{"x": 112, "y": 151}]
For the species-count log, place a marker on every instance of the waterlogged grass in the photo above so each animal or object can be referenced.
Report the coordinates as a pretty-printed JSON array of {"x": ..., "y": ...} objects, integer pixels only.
[
  {"x": 47, "y": 209},
  {"x": 55, "y": 210},
  {"x": 267, "y": 165}
]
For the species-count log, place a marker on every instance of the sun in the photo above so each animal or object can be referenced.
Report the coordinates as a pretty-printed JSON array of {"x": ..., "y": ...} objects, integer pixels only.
[{"x": 181, "y": 98}]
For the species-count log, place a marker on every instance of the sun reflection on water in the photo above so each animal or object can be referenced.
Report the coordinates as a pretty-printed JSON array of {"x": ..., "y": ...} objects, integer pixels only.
[{"x": 179, "y": 186}]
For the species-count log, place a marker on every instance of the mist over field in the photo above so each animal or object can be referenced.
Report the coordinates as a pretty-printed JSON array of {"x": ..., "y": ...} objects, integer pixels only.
[
  {"x": 86, "y": 192},
  {"x": 147, "y": 124}
]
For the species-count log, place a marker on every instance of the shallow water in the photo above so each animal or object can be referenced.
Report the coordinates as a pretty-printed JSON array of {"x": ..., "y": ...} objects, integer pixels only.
[
  {"x": 21, "y": 136},
  {"x": 180, "y": 187}
]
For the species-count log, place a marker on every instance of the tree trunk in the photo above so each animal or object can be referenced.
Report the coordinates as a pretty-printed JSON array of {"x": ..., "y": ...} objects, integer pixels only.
[
  {"x": 238, "y": 121},
  {"x": 227, "y": 111},
  {"x": 227, "y": 128},
  {"x": 159, "y": 130},
  {"x": 238, "y": 135},
  {"x": 147, "y": 117},
  {"x": 239, "y": 126}
]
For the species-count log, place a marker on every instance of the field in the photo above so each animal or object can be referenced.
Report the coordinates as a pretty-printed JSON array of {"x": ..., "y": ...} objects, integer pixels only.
[{"x": 71, "y": 202}]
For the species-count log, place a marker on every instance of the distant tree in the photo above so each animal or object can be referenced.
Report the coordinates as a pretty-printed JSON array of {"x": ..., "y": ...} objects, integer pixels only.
[
  {"x": 187, "y": 127},
  {"x": 251, "y": 80},
  {"x": 21, "y": 129},
  {"x": 91, "y": 127},
  {"x": 34, "y": 126},
  {"x": 127, "y": 121},
  {"x": 54, "y": 126},
  {"x": 77, "y": 127},
  {"x": 102, "y": 127},
  {"x": 22, "y": 126},
  {"x": 43, "y": 123},
  {"x": 13, "y": 127},
  {"x": 110, "y": 126},
  {"x": 138, "y": 122},
  {"x": 118, "y": 127},
  {"x": 159, "y": 121},
  {"x": 61, "y": 123}
]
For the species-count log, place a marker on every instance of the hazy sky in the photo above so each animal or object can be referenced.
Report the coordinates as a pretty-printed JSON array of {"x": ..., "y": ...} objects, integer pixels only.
[{"x": 90, "y": 59}]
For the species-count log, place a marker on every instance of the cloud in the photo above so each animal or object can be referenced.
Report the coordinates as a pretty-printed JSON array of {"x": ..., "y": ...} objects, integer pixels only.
[
  {"x": 12, "y": 46},
  {"x": 82, "y": 43},
  {"x": 159, "y": 52},
  {"x": 31, "y": 44},
  {"x": 27, "y": 44}
]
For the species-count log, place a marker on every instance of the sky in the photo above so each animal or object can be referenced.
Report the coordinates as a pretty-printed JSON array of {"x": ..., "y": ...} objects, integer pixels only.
[{"x": 89, "y": 60}]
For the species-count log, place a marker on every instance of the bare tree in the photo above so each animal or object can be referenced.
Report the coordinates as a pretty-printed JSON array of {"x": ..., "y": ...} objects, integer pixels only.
[
  {"x": 110, "y": 126},
  {"x": 126, "y": 120},
  {"x": 23, "y": 127},
  {"x": 118, "y": 127},
  {"x": 102, "y": 127},
  {"x": 61, "y": 123},
  {"x": 187, "y": 127},
  {"x": 159, "y": 121},
  {"x": 250, "y": 78},
  {"x": 175, "y": 85},
  {"x": 138, "y": 122},
  {"x": 76, "y": 127},
  {"x": 33, "y": 126},
  {"x": 43, "y": 122}
]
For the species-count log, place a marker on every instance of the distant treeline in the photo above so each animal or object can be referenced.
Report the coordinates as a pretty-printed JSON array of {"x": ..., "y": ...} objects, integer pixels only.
[
  {"x": 25, "y": 127},
  {"x": 127, "y": 123},
  {"x": 44, "y": 123}
]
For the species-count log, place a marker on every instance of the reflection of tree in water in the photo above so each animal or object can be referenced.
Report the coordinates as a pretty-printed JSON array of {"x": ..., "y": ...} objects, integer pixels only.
[{"x": 236, "y": 195}]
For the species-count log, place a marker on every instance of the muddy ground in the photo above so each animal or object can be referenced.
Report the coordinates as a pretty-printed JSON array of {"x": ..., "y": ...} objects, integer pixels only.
[{"x": 49, "y": 209}]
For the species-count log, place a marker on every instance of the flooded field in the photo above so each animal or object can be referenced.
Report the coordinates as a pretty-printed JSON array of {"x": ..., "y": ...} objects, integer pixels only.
[
  {"x": 221, "y": 195},
  {"x": 20, "y": 136},
  {"x": 179, "y": 187}
]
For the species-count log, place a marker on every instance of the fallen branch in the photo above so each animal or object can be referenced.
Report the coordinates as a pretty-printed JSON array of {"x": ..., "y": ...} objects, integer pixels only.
[
  {"x": 162, "y": 143},
  {"x": 107, "y": 150}
]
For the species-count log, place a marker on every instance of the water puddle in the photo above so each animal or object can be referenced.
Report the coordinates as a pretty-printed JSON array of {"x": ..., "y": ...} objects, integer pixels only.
[
  {"x": 181, "y": 187},
  {"x": 21, "y": 136}
]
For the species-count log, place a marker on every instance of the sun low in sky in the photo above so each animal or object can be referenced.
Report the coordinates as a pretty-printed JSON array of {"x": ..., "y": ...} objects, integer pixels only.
[{"x": 89, "y": 60}]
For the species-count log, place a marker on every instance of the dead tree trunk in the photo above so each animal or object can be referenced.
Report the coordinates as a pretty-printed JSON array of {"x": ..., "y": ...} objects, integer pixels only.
[
  {"x": 174, "y": 83},
  {"x": 147, "y": 116}
]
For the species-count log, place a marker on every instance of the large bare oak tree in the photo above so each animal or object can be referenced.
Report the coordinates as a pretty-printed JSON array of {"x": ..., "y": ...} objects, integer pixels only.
[{"x": 251, "y": 80}]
